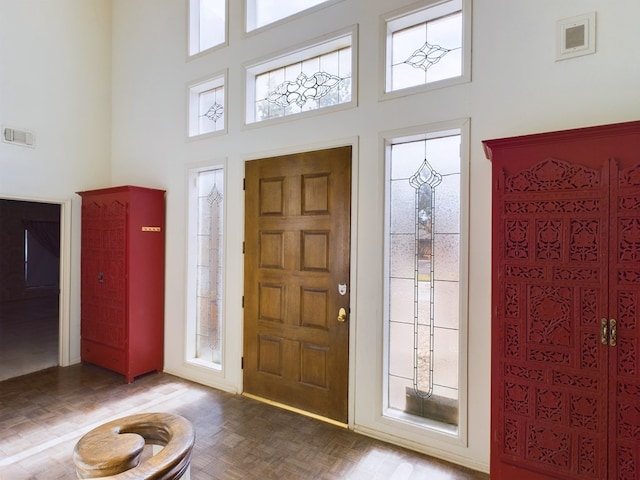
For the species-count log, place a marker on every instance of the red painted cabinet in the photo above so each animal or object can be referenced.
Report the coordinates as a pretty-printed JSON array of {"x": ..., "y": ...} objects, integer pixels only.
[
  {"x": 122, "y": 279},
  {"x": 566, "y": 305}
]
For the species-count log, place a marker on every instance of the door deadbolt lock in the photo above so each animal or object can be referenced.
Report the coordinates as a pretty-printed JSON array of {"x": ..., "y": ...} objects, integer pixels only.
[{"x": 342, "y": 315}]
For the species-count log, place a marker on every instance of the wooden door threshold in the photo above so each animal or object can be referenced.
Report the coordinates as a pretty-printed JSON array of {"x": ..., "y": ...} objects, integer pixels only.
[{"x": 296, "y": 410}]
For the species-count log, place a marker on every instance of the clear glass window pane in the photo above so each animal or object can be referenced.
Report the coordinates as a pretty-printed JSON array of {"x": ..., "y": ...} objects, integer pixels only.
[
  {"x": 207, "y": 107},
  {"x": 427, "y": 50},
  {"x": 211, "y": 110},
  {"x": 264, "y": 12},
  {"x": 209, "y": 271},
  {"x": 317, "y": 82},
  {"x": 207, "y": 24},
  {"x": 423, "y": 235}
]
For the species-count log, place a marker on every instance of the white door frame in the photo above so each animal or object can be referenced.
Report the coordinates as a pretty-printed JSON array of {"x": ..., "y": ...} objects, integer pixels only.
[{"x": 64, "y": 296}]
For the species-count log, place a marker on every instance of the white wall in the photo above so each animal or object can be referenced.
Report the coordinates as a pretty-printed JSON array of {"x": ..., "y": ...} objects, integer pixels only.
[
  {"x": 517, "y": 88},
  {"x": 55, "y": 80}
]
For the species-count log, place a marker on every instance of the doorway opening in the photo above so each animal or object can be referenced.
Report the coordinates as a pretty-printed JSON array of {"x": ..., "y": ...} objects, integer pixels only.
[{"x": 29, "y": 286}]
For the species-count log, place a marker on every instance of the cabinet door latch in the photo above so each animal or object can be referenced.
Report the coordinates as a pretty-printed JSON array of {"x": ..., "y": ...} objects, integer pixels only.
[
  {"x": 604, "y": 331},
  {"x": 613, "y": 332},
  {"x": 608, "y": 332}
]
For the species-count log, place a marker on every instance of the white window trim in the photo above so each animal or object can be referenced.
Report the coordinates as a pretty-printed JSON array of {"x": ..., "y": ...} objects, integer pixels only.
[
  {"x": 193, "y": 30},
  {"x": 429, "y": 436},
  {"x": 191, "y": 272},
  {"x": 278, "y": 23},
  {"x": 193, "y": 91},
  {"x": 318, "y": 46},
  {"x": 396, "y": 20}
]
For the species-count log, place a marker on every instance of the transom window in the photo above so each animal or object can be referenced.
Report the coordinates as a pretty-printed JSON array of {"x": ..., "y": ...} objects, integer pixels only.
[
  {"x": 425, "y": 46},
  {"x": 423, "y": 281},
  {"x": 207, "y": 24},
  {"x": 310, "y": 79},
  {"x": 263, "y": 12},
  {"x": 207, "y": 106}
]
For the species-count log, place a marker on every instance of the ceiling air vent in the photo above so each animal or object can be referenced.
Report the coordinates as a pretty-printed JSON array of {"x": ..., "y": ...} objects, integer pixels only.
[{"x": 18, "y": 137}]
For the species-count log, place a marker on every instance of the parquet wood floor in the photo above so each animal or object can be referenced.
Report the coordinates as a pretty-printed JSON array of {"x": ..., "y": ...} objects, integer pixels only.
[{"x": 43, "y": 414}]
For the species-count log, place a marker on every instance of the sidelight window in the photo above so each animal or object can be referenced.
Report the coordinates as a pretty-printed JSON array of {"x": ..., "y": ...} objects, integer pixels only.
[
  {"x": 206, "y": 267},
  {"x": 424, "y": 286}
]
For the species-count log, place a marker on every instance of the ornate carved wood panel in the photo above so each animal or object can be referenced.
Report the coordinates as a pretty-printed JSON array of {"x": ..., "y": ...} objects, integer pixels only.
[
  {"x": 624, "y": 365},
  {"x": 566, "y": 283},
  {"x": 553, "y": 233},
  {"x": 103, "y": 272}
]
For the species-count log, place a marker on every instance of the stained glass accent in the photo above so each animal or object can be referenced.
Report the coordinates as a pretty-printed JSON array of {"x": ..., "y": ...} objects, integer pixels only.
[
  {"x": 215, "y": 112},
  {"x": 208, "y": 345},
  {"x": 424, "y": 182},
  {"x": 423, "y": 278},
  {"x": 425, "y": 47},
  {"x": 316, "y": 82},
  {"x": 426, "y": 56},
  {"x": 304, "y": 89},
  {"x": 211, "y": 117}
]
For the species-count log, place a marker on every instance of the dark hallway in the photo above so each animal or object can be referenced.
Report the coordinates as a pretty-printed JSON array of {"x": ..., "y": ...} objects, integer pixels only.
[{"x": 29, "y": 286}]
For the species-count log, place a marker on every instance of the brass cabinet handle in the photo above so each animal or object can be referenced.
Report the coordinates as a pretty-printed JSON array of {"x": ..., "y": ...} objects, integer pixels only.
[
  {"x": 604, "y": 332},
  {"x": 613, "y": 331}
]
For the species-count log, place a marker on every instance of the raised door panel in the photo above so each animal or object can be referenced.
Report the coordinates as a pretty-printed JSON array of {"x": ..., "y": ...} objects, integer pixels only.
[
  {"x": 114, "y": 267},
  {"x": 103, "y": 271},
  {"x": 91, "y": 260},
  {"x": 297, "y": 253}
]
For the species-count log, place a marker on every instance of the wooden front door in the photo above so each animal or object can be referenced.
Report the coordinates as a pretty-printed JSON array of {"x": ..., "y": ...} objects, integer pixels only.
[{"x": 296, "y": 290}]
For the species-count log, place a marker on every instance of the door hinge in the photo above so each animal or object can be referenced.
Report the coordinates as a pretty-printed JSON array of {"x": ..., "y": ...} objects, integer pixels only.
[
  {"x": 242, "y": 301},
  {"x": 241, "y": 363},
  {"x": 244, "y": 184},
  {"x": 243, "y": 248}
]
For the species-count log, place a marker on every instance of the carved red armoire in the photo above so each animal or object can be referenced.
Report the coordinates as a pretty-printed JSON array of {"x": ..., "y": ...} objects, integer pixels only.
[
  {"x": 122, "y": 279},
  {"x": 565, "y": 372}
]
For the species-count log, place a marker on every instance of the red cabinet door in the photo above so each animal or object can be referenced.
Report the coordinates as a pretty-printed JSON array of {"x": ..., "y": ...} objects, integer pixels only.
[
  {"x": 564, "y": 398},
  {"x": 624, "y": 337},
  {"x": 122, "y": 281}
]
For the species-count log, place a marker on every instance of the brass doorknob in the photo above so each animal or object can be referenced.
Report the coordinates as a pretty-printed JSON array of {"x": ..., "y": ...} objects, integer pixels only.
[{"x": 342, "y": 315}]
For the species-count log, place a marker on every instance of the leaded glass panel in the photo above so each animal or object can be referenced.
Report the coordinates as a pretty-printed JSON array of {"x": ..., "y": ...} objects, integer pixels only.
[
  {"x": 423, "y": 274},
  {"x": 209, "y": 270}
]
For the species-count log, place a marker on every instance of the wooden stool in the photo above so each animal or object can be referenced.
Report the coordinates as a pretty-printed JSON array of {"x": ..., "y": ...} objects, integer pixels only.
[{"x": 113, "y": 450}]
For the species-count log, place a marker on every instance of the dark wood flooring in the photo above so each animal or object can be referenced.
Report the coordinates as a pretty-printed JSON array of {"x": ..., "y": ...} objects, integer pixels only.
[{"x": 43, "y": 414}]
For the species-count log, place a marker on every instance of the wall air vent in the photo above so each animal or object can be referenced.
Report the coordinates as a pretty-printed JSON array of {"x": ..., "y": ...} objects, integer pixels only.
[{"x": 18, "y": 137}]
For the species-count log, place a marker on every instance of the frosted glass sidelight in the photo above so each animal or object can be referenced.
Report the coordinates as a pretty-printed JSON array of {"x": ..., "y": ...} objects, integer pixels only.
[
  {"x": 423, "y": 238},
  {"x": 209, "y": 270}
]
